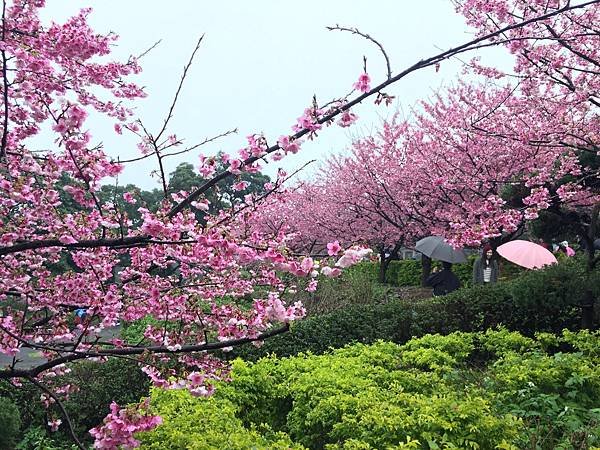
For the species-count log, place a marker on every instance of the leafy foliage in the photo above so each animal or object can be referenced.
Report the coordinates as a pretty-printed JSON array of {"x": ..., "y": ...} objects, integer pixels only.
[
  {"x": 207, "y": 424},
  {"x": 497, "y": 389},
  {"x": 116, "y": 380},
  {"x": 10, "y": 423},
  {"x": 36, "y": 438}
]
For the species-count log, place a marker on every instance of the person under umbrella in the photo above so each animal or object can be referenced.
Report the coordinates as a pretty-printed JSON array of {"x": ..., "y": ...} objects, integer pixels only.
[
  {"x": 526, "y": 254},
  {"x": 485, "y": 268},
  {"x": 444, "y": 281},
  {"x": 435, "y": 247}
]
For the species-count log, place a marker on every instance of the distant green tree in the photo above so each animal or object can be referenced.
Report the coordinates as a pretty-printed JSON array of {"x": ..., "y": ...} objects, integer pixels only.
[{"x": 185, "y": 178}]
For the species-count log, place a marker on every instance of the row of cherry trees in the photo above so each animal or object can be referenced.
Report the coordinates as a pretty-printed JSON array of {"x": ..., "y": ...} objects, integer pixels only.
[
  {"x": 442, "y": 172},
  {"x": 481, "y": 159}
]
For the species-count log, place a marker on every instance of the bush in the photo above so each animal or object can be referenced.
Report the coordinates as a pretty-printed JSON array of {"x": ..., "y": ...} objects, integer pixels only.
[
  {"x": 545, "y": 300},
  {"x": 26, "y": 398},
  {"x": 205, "y": 424},
  {"x": 407, "y": 272},
  {"x": 353, "y": 287},
  {"x": 100, "y": 383},
  {"x": 10, "y": 423},
  {"x": 118, "y": 380},
  {"x": 497, "y": 389}
]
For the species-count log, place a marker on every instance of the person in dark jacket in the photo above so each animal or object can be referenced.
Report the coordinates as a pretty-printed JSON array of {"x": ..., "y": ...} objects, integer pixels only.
[
  {"x": 444, "y": 281},
  {"x": 485, "y": 268}
]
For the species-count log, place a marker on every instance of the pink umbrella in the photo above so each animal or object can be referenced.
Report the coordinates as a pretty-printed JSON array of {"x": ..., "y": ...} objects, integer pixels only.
[{"x": 526, "y": 254}]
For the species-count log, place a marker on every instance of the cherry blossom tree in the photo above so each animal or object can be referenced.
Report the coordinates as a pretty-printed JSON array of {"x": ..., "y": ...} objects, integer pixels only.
[
  {"x": 166, "y": 265},
  {"x": 484, "y": 158},
  {"x": 554, "y": 113},
  {"x": 351, "y": 200},
  {"x": 173, "y": 268}
]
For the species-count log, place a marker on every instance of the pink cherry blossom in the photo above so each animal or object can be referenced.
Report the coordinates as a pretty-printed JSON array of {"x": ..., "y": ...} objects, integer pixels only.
[
  {"x": 129, "y": 198},
  {"x": 54, "y": 424},
  {"x": 347, "y": 118},
  {"x": 331, "y": 271},
  {"x": 307, "y": 264},
  {"x": 362, "y": 84},
  {"x": 333, "y": 248},
  {"x": 240, "y": 186}
]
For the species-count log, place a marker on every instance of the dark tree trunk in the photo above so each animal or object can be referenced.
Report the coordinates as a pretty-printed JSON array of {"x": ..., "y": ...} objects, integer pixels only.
[
  {"x": 384, "y": 261},
  {"x": 587, "y": 310},
  {"x": 383, "y": 266},
  {"x": 426, "y": 264}
]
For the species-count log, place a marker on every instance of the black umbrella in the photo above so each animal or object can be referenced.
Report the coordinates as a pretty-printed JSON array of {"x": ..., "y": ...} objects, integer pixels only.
[{"x": 436, "y": 248}]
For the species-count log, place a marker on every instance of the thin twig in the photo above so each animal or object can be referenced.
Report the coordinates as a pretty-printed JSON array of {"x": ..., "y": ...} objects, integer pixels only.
[
  {"x": 369, "y": 38},
  {"x": 179, "y": 87},
  {"x": 188, "y": 149},
  {"x": 152, "y": 47}
]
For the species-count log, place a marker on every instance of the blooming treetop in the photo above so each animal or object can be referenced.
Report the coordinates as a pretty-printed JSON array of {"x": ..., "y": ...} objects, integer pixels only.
[
  {"x": 350, "y": 199},
  {"x": 448, "y": 170},
  {"x": 474, "y": 143}
]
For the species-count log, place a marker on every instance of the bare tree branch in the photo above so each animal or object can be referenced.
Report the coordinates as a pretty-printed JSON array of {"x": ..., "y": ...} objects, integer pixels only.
[
  {"x": 179, "y": 87},
  {"x": 369, "y": 38},
  {"x": 188, "y": 149},
  {"x": 152, "y": 47}
]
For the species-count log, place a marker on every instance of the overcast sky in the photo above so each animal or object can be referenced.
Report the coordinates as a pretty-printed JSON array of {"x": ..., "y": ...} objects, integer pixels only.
[{"x": 262, "y": 60}]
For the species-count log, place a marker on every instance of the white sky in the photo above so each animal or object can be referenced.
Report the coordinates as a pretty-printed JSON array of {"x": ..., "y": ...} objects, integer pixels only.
[{"x": 260, "y": 63}]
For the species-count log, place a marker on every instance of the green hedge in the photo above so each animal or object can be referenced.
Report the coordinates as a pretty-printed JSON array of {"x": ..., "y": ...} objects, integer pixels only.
[
  {"x": 407, "y": 272},
  {"x": 492, "y": 390},
  {"x": 545, "y": 300}
]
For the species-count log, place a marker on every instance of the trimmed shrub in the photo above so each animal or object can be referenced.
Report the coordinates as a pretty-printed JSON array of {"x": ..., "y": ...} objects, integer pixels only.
[
  {"x": 545, "y": 300},
  {"x": 407, "y": 272}
]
